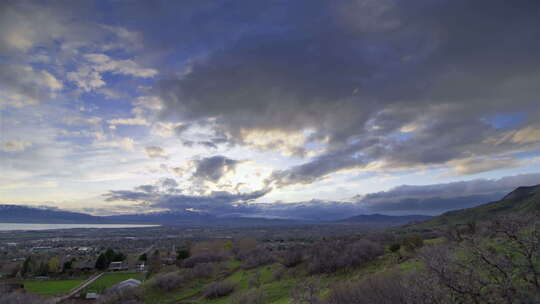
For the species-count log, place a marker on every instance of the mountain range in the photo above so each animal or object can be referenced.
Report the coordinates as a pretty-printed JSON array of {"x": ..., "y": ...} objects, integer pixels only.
[
  {"x": 521, "y": 200},
  {"x": 26, "y": 214}
]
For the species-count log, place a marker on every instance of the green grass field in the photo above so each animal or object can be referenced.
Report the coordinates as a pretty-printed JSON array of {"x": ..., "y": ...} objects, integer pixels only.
[
  {"x": 109, "y": 279},
  {"x": 51, "y": 288}
]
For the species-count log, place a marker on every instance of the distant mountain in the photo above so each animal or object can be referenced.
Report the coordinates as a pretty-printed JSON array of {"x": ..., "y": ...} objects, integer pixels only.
[
  {"x": 522, "y": 200},
  {"x": 24, "y": 214},
  {"x": 168, "y": 217},
  {"x": 197, "y": 218},
  {"x": 381, "y": 219}
]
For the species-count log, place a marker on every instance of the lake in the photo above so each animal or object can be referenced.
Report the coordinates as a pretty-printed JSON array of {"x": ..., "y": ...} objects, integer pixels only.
[{"x": 24, "y": 226}]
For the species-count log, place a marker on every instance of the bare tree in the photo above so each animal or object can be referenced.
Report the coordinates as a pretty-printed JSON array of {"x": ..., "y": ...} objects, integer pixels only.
[{"x": 307, "y": 292}]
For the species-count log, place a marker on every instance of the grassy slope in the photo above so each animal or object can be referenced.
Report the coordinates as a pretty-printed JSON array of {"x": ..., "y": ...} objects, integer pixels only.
[
  {"x": 51, "y": 288},
  {"x": 523, "y": 200},
  {"x": 278, "y": 291},
  {"x": 110, "y": 279}
]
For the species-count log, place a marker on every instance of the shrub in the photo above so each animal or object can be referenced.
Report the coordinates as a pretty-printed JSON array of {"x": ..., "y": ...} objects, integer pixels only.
[
  {"x": 395, "y": 247},
  {"x": 182, "y": 254},
  {"x": 307, "y": 292},
  {"x": 124, "y": 296},
  {"x": 292, "y": 257},
  {"x": 279, "y": 273},
  {"x": 256, "y": 257},
  {"x": 167, "y": 281},
  {"x": 413, "y": 242},
  {"x": 219, "y": 289},
  {"x": 380, "y": 289},
  {"x": 19, "y": 297},
  {"x": 202, "y": 271},
  {"x": 254, "y": 296},
  {"x": 202, "y": 258},
  {"x": 330, "y": 257}
]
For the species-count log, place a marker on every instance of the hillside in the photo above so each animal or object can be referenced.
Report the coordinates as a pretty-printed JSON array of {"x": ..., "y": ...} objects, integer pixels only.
[{"x": 523, "y": 200}]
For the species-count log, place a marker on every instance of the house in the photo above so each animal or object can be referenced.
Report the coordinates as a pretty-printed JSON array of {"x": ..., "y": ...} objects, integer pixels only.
[
  {"x": 117, "y": 266},
  {"x": 129, "y": 283}
]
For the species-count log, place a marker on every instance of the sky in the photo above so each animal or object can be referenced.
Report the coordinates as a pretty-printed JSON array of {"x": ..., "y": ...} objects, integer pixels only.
[{"x": 286, "y": 109}]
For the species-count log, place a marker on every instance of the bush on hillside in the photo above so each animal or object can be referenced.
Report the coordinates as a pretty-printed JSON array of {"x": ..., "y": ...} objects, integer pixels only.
[
  {"x": 253, "y": 296},
  {"x": 201, "y": 271},
  {"x": 330, "y": 257},
  {"x": 202, "y": 258},
  {"x": 292, "y": 257},
  {"x": 256, "y": 257},
  {"x": 219, "y": 289},
  {"x": 413, "y": 242},
  {"x": 124, "y": 296},
  {"x": 167, "y": 281},
  {"x": 19, "y": 297}
]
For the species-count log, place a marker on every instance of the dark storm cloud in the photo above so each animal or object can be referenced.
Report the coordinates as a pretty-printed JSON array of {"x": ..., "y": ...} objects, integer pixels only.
[
  {"x": 424, "y": 199},
  {"x": 433, "y": 199},
  {"x": 361, "y": 71},
  {"x": 216, "y": 202},
  {"x": 146, "y": 188},
  {"x": 406, "y": 199},
  {"x": 325, "y": 164},
  {"x": 214, "y": 168}
]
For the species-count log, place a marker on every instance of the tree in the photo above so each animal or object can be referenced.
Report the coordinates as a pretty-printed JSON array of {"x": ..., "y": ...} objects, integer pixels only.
[
  {"x": 54, "y": 264},
  {"x": 43, "y": 269},
  {"x": 67, "y": 265},
  {"x": 155, "y": 262},
  {"x": 307, "y": 292},
  {"x": 413, "y": 242},
  {"x": 182, "y": 253},
  {"x": 110, "y": 255},
  {"x": 27, "y": 266},
  {"x": 102, "y": 263},
  {"x": 118, "y": 257},
  {"x": 143, "y": 257},
  {"x": 395, "y": 247}
]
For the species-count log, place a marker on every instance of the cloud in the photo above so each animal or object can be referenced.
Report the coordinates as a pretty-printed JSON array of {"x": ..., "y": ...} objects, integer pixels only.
[
  {"x": 406, "y": 199},
  {"x": 89, "y": 76},
  {"x": 86, "y": 78},
  {"x": 214, "y": 168},
  {"x": 437, "y": 198},
  {"x": 15, "y": 145},
  {"x": 125, "y": 143},
  {"x": 136, "y": 121},
  {"x": 166, "y": 195},
  {"x": 527, "y": 135},
  {"x": 23, "y": 85},
  {"x": 327, "y": 74},
  {"x": 155, "y": 152},
  {"x": 477, "y": 165},
  {"x": 27, "y": 25},
  {"x": 81, "y": 120},
  {"x": 165, "y": 129},
  {"x": 103, "y": 63}
]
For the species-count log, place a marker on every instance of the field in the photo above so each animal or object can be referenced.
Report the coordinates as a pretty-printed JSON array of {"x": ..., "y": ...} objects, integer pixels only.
[
  {"x": 109, "y": 279},
  {"x": 51, "y": 288}
]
